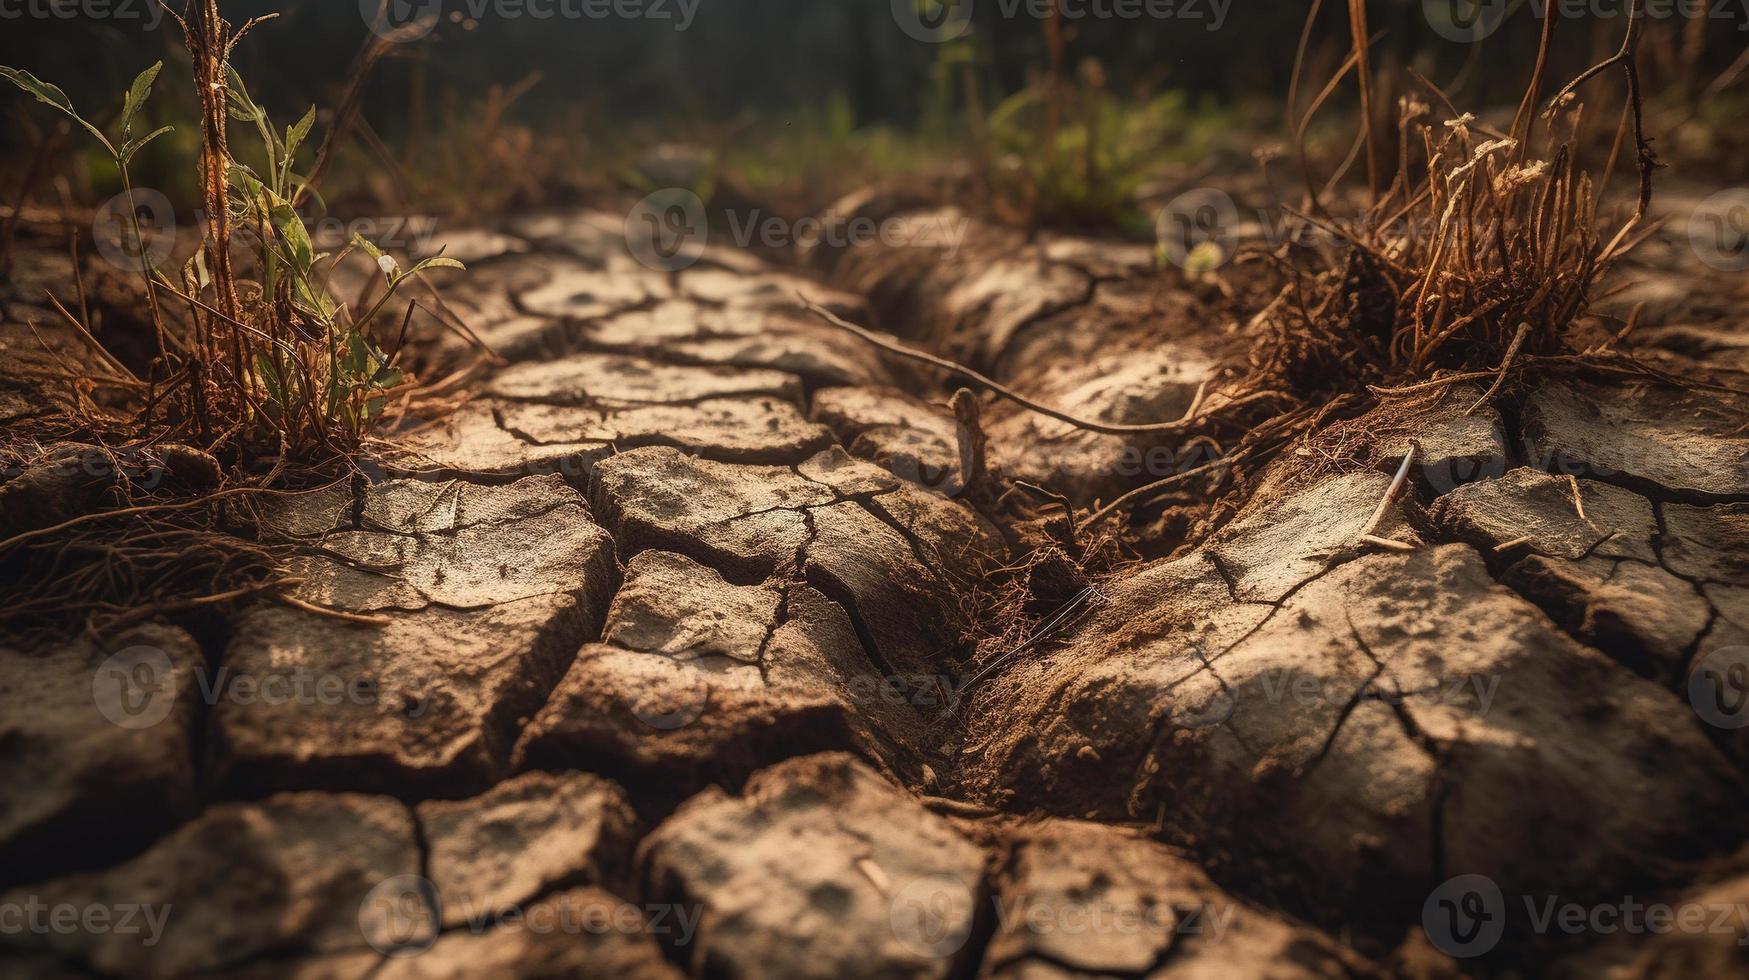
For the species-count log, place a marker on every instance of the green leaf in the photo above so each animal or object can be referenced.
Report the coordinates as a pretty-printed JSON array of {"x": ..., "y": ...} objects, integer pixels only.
[
  {"x": 295, "y": 136},
  {"x": 313, "y": 298},
  {"x": 290, "y": 226},
  {"x": 133, "y": 146},
  {"x": 357, "y": 359},
  {"x": 50, "y": 94},
  {"x": 390, "y": 268},
  {"x": 298, "y": 186},
  {"x": 437, "y": 262},
  {"x": 246, "y": 182},
  {"x": 243, "y": 108},
  {"x": 264, "y": 369},
  {"x": 138, "y": 92},
  {"x": 369, "y": 247},
  {"x": 53, "y": 96}
]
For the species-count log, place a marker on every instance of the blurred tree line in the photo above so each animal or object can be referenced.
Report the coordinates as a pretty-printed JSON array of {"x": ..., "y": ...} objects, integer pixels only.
[
  {"x": 712, "y": 73},
  {"x": 771, "y": 56}
]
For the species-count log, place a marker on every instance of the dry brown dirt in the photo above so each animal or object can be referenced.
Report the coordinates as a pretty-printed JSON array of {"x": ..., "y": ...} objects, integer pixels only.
[{"x": 675, "y": 680}]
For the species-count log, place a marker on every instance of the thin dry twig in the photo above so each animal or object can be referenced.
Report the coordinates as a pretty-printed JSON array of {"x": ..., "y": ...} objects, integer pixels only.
[
  {"x": 1387, "y": 543},
  {"x": 1185, "y": 424},
  {"x": 1082, "y": 600},
  {"x": 1505, "y": 364},
  {"x": 331, "y": 613},
  {"x": 1579, "y": 501},
  {"x": 1378, "y": 515}
]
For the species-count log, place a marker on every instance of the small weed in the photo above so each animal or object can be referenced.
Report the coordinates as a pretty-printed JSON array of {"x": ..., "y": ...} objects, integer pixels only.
[
  {"x": 259, "y": 380},
  {"x": 265, "y": 362}
]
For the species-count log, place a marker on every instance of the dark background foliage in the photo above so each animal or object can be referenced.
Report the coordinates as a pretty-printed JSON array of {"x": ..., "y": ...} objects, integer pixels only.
[{"x": 773, "y": 56}]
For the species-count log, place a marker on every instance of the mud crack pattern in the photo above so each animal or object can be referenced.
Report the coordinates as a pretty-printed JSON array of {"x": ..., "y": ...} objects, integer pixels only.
[{"x": 671, "y": 683}]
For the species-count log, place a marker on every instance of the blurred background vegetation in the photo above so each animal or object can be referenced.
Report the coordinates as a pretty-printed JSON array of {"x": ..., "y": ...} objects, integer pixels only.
[{"x": 792, "y": 102}]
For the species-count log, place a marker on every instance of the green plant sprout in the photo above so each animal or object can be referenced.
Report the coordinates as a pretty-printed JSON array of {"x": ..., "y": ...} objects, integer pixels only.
[
  {"x": 132, "y": 101},
  {"x": 293, "y": 366}
]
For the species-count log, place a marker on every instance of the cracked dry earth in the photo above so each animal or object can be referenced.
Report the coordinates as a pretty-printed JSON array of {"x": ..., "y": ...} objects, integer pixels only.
[{"x": 672, "y": 665}]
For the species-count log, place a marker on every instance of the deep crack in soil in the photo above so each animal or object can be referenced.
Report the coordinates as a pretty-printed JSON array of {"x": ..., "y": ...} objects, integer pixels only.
[{"x": 680, "y": 636}]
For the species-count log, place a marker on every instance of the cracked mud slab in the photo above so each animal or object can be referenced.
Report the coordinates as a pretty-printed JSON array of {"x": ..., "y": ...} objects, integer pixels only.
[
  {"x": 492, "y": 592},
  {"x": 523, "y": 839},
  {"x": 564, "y": 415},
  {"x": 91, "y": 730},
  {"x": 1652, "y": 439},
  {"x": 811, "y": 872},
  {"x": 1601, "y": 576},
  {"x": 239, "y": 881},
  {"x": 908, "y": 436},
  {"x": 697, "y": 675},
  {"x": 1366, "y": 715},
  {"x": 673, "y": 619},
  {"x": 1084, "y": 900},
  {"x": 580, "y": 933},
  {"x": 1457, "y": 438}
]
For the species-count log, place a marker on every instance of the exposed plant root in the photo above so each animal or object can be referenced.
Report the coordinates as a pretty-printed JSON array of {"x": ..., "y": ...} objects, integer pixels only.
[
  {"x": 255, "y": 365},
  {"x": 1389, "y": 544},
  {"x": 1579, "y": 501},
  {"x": 1505, "y": 365},
  {"x": 104, "y": 574},
  {"x": 1066, "y": 614},
  {"x": 1189, "y": 423},
  {"x": 145, "y": 538},
  {"x": 1012, "y": 606},
  {"x": 1471, "y": 265}
]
